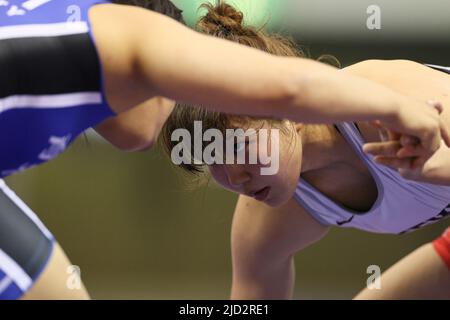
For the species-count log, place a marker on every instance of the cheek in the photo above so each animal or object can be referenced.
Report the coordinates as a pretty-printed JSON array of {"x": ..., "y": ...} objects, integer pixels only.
[
  {"x": 290, "y": 164},
  {"x": 282, "y": 153}
]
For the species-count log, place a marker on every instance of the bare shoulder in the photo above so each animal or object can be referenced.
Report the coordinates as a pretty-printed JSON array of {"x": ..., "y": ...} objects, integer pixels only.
[
  {"x": 283, "y": 230},
  {"x": 378, "y": 66},
  {"x": 393, "y": 69},
  {"x": 407, "y": 77},
  {"x": 383, "y": 63}
]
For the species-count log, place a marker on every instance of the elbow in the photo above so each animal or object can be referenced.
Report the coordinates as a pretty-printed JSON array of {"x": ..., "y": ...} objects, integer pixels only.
[{"x": 127, "y": 135}]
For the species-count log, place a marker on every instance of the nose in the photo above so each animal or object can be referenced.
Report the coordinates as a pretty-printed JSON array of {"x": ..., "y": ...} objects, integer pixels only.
[{"x": 236, "y": 175}]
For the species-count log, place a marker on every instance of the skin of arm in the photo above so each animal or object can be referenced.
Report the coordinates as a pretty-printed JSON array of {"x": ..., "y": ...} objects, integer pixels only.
[
  {"x": 137, "y": 129},
  {"x": 263, "y": 242},
  {"x": 420, "y": 275},
  {"x": 156, "y": 56}
]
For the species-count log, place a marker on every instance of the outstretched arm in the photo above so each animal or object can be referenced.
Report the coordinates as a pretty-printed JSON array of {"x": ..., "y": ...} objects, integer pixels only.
[
  {"x": 263, "y": 242},
  {"x": 146, "y": 54}
]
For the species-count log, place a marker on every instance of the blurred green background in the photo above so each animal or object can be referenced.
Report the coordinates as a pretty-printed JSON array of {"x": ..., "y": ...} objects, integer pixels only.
[{"x": 137, "y": 231}]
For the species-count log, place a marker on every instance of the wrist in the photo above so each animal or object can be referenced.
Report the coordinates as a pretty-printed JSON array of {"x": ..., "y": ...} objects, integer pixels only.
[{"x": 394, "y": 111}]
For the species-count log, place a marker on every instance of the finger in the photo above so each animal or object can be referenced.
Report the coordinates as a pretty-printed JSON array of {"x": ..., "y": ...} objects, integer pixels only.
[
  {"x": 436, "y": 105},
  {"x": 406, "y": 140},
  {"x": 412, "y": 151},
  {"x": 418, "y": 162},
  {"x": 375, "y": 124},
  {"x": 445, "y": 131},
  {"x": 394, "y": 163},
  {"x": 383, "y": 134},
  {"x": 431, "y": 142},
  {"x": 445, "y": 134},
  {"x": 389, "y": 148},
  {"x": 393, "y": 136}
]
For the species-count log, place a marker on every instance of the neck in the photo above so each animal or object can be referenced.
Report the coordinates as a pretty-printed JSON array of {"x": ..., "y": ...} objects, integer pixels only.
[{"x": 323, "y": 147}]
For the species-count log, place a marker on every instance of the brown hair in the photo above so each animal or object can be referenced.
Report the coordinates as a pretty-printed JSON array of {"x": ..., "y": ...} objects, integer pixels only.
[{"x": 224, "y": 21}]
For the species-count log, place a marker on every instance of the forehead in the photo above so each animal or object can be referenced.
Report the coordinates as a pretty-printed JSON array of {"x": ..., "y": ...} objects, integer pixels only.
[
  {"x": 240, "y": 134},
  {"x": 248, "y": 123}
]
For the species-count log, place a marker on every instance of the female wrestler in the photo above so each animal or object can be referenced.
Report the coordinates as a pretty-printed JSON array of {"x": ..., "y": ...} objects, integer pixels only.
[
  {"x": 324, "y": 177},
  {"x": 424, "y": 273}
]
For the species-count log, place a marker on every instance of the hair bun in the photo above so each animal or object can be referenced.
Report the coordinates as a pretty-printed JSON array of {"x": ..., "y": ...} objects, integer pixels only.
[{"x": 221, "y": 17}]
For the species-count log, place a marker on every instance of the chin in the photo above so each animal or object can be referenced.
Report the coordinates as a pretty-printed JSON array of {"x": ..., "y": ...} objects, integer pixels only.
[{"x": 275, "y": 201}]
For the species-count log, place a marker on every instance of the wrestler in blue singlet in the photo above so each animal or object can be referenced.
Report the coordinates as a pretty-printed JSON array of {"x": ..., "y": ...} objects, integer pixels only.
[{"x": 50, "y": 92}]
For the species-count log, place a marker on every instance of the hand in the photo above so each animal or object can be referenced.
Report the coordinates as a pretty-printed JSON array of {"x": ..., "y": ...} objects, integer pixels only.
[
  {"x": 405, "y": 154},
  {"x": 397, "y": 150},
  {"x": 435, "y": 170},
  {"x": 424, "y": 124},
  {"x": 395, "y": 144}
]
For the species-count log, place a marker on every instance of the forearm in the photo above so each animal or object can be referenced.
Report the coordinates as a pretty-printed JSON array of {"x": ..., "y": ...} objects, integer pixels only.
[
  {"x": 420, "y": 275},
  {"x": 227, "y": 77},
  {"x": 330, "y": 95}
]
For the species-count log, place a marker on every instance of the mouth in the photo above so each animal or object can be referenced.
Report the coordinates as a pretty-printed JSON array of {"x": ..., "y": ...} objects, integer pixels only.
[{"x": 261, "y": 194}]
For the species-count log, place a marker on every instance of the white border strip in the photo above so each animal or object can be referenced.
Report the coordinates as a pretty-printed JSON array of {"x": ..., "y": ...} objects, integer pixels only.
[
  {"x": 14, "y": 271},
  {"x": 43, "y": 30},
  {"x": 49, "y": 101}
]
